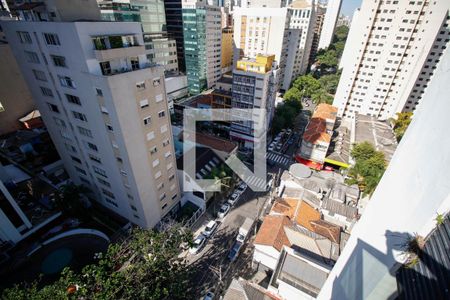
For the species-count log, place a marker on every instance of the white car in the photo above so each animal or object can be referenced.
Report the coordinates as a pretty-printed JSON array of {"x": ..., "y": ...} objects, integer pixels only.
[
  {"x": 224, "y": 210},
  {"x": 199, "y": 242},
  {"x": 242, "y": 187},
  {"x": 210, "y": 228},
  {"x": 209, "y": 296},
  {"x": 271, "y": 147},
  {"x": 234, "y": 198}
]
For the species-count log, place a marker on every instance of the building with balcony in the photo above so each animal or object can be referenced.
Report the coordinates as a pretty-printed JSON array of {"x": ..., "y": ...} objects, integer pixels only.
[
  {"x": 262, "y": 30},
  {"x": 255, "y": 84},
  {"x": 159, "y": 47},
  {"x": 392, "y": 51},
  {"x": 105, "y": 108},
  {"x": 202, "y": 45},
  {"x": 302, "y": 17}
]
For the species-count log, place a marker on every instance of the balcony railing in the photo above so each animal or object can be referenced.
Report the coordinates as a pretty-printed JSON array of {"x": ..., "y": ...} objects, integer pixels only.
[{"x": 114, "y": 42}]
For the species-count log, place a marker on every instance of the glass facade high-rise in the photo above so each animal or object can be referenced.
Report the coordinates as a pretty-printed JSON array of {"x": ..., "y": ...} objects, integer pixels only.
[
  {"x": 194, "y": 49},
  {"x": 202, "y": 29},
  {"x": 174, "y": 25}
]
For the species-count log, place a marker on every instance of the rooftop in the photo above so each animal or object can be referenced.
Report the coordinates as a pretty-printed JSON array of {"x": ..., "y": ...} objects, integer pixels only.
[
  {"x": 336, "y": 207},
  {"x": 241, "y": 289},
  {"x": 214, "y": 142},
  {"x": 272, "y": 232},
  {"x": 378, "y": 133},
  {"x": 205, "y": 161},
  {"x": 339, "y": 149},
  {"x": 323, "y": 117},
  {"x": 261, "y": 64}
]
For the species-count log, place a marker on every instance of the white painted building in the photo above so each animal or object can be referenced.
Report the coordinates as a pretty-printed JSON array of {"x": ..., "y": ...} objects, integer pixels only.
[
  {"x": 329, "y": 23},
  {"x": 106, "y": 110},
  {"x": 303, "y": 17},
  {"x": 261, "y": 30},
  {"x": 417, "y": 179},
  {"x": 390, "y": 56}
]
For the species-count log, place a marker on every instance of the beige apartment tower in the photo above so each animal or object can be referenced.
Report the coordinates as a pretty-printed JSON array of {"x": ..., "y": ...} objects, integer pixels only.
[{"x": 105, "y": 108}]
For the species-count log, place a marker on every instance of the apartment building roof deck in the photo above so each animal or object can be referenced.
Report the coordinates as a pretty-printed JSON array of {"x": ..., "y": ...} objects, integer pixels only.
[{"x": 261, "y": 64}]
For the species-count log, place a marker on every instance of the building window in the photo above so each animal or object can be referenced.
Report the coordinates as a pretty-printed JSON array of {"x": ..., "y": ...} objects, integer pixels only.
[
  {"x": 99, "y": 171},
  {"x": 155, "y": 163},
  {"x": 108, "y": 193},
  {"x": 163, "y": 128},
  {"x": 111, "y": 202},
  {"x": 156, "y": 82},
  {"x": 76, "y": 159},
  {"x": 73, "y": 99},
  {"x": 174, "y": 196},
  {"x": 143, "y": 103},
  {"x": 53, "y": 107},
  {"x": 162, "y": 196},
  {"x": 153, "y": 150},
  {"x": 147, "y": 120},
  {"x": 51, "y": 39},
  {"x": 168, "y": 154},
  {"x": 109, "y": 127},
  {"x": 159, "y": 98},
  {"x": 104, "y": 182},
  {"x": 67, "y": 81},
  {"x": 80, "y": 170},
  {"x": 164, "y": 206},
  {"x": 99, "y": 92},
  {"x": 171, "y": 177},
  {"x": 140, "y": 85},
  {"x": 39, "y": 75},
  {"x": 158, "y": 174},
  {"x": 166, "y": 142},
  {"x": 79, "y": 116},
  {"x": 95, "y": 158},
  {"x": 84, "y": 131},
  {"x": 32, "y": 57},
  {"x": 46, "y": 91},
  {"x": 160, "y": 186},
  {"x": 92, "y": 146},
  {"x": 150, "y": 136},
  {"x": 58, "y": 61},
  {"x": 24, "y": 37},
  {"x": 162, "y": 114}
]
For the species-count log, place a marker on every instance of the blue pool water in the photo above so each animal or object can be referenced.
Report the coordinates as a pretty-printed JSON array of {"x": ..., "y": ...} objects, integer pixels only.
[{"x": 56, "y": 261}]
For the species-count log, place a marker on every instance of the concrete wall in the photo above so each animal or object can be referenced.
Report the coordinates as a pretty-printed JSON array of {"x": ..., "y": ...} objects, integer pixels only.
[
  {"x": 15, "y": 97},
  {"x": 413, "y": 190}
]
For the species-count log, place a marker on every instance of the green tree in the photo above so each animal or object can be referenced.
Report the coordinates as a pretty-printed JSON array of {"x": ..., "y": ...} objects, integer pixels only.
[
  {"x": 329, "y": 59},
  {"x": 330, "y": 82},
  {"x": 401, "y": 124},
  {"x": 341, "y": 33},
  {"x": 70, "y": 200},
  {"x": 307, "y": 85},
  {"x": 368, "y": 169},
  {"x": 145, "y": 266},
  {"x": 321, "y": 96},
  {"x": 292, "y": 94}
]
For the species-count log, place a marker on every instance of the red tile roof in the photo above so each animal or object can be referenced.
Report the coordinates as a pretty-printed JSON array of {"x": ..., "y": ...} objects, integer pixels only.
[{"x": 272, "y": 232}]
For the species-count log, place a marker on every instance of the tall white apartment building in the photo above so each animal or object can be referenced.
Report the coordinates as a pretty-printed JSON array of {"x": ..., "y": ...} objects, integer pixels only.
[
  {"x": 105, "y": 108},
  {"x": 255, "y": 84},
  {"x": 302, "y": 16},
  {"x": 261, "y": 30},
  {"x": 412, "y": 192},
  {"x": 329, "y": 23},
  {"x": 392, "y": 51}
]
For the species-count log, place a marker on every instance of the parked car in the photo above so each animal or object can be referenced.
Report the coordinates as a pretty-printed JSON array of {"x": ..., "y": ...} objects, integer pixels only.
[
  {"x": 289, "y": 131},
  {"x": 271, "y": 147},
  {"x": 279, "y": 146},
  {"x": 242, "y": 187},
  {"x": 199, "y": 243},
  {"x": 209, "y": 296},
  {"x": 234, "y": 252},
  {"x": 224, "y": 210},
  {"x": 210, "y": 228},
  {"x": 234, "y": 198}
]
